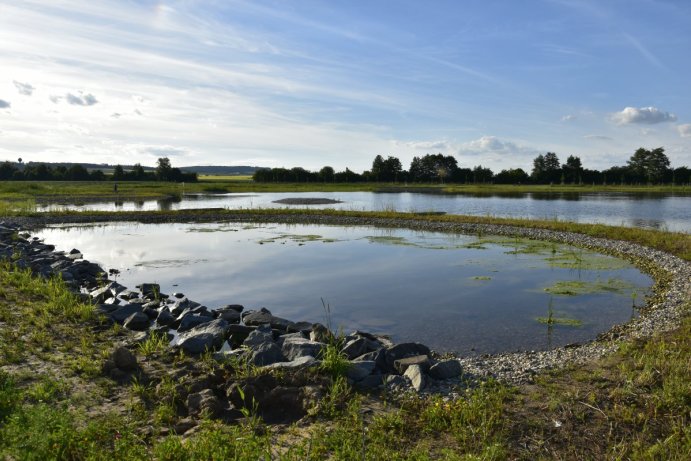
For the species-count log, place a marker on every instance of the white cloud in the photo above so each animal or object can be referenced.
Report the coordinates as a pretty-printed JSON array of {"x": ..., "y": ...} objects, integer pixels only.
[
  {"x": 568, "y": 118},
  {"x": 684, "y": 130},
  {"x": 429, "y": 145},
  {"x": 647, "y": 115},
  {"x": 81, "y": 99},
  {"x": 4, "y": 104},
  {"x": 491, "y": 144},
  {"x": 24, "y": 88}
]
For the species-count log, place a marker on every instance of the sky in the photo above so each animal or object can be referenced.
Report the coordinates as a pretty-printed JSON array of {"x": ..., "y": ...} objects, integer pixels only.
[{"x": 314, "y": 83}]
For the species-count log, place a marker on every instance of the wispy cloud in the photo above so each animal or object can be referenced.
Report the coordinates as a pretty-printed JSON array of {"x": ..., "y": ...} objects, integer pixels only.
[
  {"x": 684, "y": 130},
  {"x": 24, "y": 88},
  {"x": 597, "y": 137},
  {"x": 646, "y": 115},
  {"x": 650, "y": 57},
  {"x": 568, "y": 118},
  {"x": 81, "y": 99}
]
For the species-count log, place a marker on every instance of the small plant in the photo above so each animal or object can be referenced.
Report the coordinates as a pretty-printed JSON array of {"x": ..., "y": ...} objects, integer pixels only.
[
  {"x": 155, "y": 343},
  {"x": 250, "y": 410}
]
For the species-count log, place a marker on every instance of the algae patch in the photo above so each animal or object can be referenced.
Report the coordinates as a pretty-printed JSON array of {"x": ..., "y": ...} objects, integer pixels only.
[
  {"x": 580, "y": 287},
  {"x": 300, "y": 239}
]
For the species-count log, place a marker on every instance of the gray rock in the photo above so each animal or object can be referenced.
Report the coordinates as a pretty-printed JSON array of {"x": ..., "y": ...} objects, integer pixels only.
[
  {"x": 229, "y": 316},
  {"x": 394, "y": 381},
  {"x": 149, "y": 288},
  {"x": 121, "y": 313},
  {"x": 137, "y": 322},
  {"x": 190, "y": 321},
  {"x": 378, "y": 356},
  {"x": 360, "y": 370},
  {"x": 301, "y": 362},
  {"x": 101, "y": 294},
  {"x": 231, "y": 307},
  {"x": 445, "y": 369},
  {"x": 297, "y": 346},
  {"x": 266, "y": 354},
  {"x": 123, "y": 358},
  {"x": 401, "y": 365},
  {"x": 355, "y": 348},
  {"x": 321, "y": 334},
  {"x": 204, "y": 402},
  {"x": 416, "y": 376},
  {"x": 403, "y": 350},
  {"x": 262, "y": 335},
  {"x": 300, "y": 327},
  {"x": 164, "y": 318},
  {"x": 209, "y": 336},
  {"x": 263, "y": 316},
  {"x": 372, "y": 381}
]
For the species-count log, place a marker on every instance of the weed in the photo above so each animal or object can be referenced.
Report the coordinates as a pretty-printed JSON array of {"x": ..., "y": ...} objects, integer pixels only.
[{"x": 155, "y": 343}]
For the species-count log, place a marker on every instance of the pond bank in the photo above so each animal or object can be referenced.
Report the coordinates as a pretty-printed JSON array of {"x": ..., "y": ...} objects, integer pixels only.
[{"x": 663, "y": 311}]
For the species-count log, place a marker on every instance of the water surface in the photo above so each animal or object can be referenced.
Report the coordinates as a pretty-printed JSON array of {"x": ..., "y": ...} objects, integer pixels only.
[
  {"x": 666, "y": 212},
  {"x": 453, "y": 292}
]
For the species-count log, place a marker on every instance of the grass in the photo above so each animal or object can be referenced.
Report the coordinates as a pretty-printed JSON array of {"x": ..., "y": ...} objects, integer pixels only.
[{"x": 56, "y": 404}]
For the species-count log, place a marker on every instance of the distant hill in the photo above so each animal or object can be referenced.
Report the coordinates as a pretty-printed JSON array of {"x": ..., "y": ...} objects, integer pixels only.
[
  {"x": 201, "y": 169},
  {"x": 220, "y": 170}
]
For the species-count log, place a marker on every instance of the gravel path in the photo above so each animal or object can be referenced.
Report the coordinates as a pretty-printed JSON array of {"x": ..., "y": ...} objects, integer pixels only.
[{"x": 663, "y": 312}]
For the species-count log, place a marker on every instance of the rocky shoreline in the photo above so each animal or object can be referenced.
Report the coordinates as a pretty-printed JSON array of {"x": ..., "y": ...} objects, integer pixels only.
[{"x": 375, "y": 361}]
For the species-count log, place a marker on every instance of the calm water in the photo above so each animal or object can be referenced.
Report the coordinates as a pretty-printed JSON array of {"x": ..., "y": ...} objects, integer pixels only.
[
  {"x": 452, "y": 292},
  {"x": 652, "y": 211}
]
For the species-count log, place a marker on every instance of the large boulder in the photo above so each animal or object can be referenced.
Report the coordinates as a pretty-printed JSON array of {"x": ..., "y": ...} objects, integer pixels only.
[
  {"x": 446, "y": 369},
  {"x": 294, "y": 347},
  {"x": 123, "y": 312},
  {"x": 204, "y": 402},
  {"x": 266, "y": 354},
  {"x": 209, "y": 336},
  {"x": 416, "y": 376},
  {"x": 260, "y": 336},
  {"x": 190, "y": 321},
  {"x": 360, "y": 370},
  {"x": 403, "y": 350},
  {"x": 137, "y": 322}
]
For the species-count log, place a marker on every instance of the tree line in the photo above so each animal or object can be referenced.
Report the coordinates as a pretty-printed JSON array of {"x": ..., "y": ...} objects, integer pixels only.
[
  {"x": 19, "y": 171},
  {"x": 644, "y": 167}
]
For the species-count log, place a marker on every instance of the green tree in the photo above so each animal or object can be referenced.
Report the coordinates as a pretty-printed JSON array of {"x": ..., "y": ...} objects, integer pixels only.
[
  {"x": 327, "y": 174},
  {"x": 649, "y": 165},
  {"x": 163, "y": 169},
  {"x": 118, "y": 173},
  {"x": 572, "y": 169}
]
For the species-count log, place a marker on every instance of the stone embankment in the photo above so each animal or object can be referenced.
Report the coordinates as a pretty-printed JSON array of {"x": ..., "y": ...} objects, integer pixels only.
[{"x": 268, "y": 340}]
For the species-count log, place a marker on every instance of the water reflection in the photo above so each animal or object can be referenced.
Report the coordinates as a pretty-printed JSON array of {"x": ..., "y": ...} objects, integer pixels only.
[
  {"x": 641, "y": 210},
  {"x": 453, "y": 292}
]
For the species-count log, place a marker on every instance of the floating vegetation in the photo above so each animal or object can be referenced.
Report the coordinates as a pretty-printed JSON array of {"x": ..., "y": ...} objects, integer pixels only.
[
  {"x": 163, "y": 263},
  {"x": 389, "y": 240},
  {"x": 589, "y": 261},
  {"x": 211, "y": 229},
  {"x": 297, "y": 238},
  {"x": 551, "y": 320},
  {"x": 580, "y": 287},
  {"x": 482, "y": 277}
]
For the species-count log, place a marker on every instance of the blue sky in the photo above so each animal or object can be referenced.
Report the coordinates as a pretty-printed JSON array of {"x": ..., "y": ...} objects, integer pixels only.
[{"x": 314, "y": 83}]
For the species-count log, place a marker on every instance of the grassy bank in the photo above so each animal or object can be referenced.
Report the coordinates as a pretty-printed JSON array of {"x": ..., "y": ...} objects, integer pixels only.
[{"x": 57, "y": 403}]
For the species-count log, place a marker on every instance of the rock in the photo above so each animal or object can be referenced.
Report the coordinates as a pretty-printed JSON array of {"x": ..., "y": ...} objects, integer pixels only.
[
  {"x": 238, "y": 334},
  {"x": 209, "y": 336},
  {"x": 300, "y": 327},
  {"x": 372, "y": 381},
  {"x": 190, "y": 321},
  {"x": 137, "y": 321},
  {"x": 403, "y": 350},
  {"x": 229, "y": 316},
  {"x": 204, "y": 402},
  {"x": 152, "y": 314},
  {"x": 184, "y": 425},
  {"x": 283, "y": 404},
  {"x": 354, "y": 348},
  {"x": 149, "y": 288},
  {"x": 401, "y": 365},
  {"x": 395, "y": 381},
  {"x": 165, "y": 318},
  {"x": 231, "y": 307},
  {"x": 446, "y": 369},
  {"x": 263, "y": 316},
  {"x": 321, "y": 334},
  {"x": 101, "y": 294},
  {"x": 266, "y": 354},
  {"x": 294, "y": 347},
  {"x": 262, "y": 335},
  {"x": 416, "y": 376},
  {"x": 360, "y": 370},
  {"x": 123, "y": 358},
  {"x": 306, "y": 361},
  {"x": 182, "y": 304},
  {"x": 123, "y": 312},
  {"x": 378, "y": 356},
  {"x": 178, "y": 295}
]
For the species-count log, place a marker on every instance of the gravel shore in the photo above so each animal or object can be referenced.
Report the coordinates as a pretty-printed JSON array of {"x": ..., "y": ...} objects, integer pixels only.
[{"x": 663, "y": 312}]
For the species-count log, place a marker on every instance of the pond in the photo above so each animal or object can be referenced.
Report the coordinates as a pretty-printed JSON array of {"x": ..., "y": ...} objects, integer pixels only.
[
  {"x": 455, "y": 293},
  {"x": 666, "y": 212}
]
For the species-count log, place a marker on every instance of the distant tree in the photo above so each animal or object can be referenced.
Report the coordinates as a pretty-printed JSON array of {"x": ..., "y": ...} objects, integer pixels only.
[
  {"x": 138, "y": 173},
  {"x": 118, "y": 173},
  {"x": 433, "y": 167},
  {"x": 649, "y": 165},
  {"x": 511, "y": 176},
  {"x": 546, "y": 168},
  {"x": 7, "y": 171},
  {"x": 482, "y": 175},
  {"x": 327, "y": 174},
  {"x": 163, "y": 169},
  {"x": 572, "y": 169}
]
